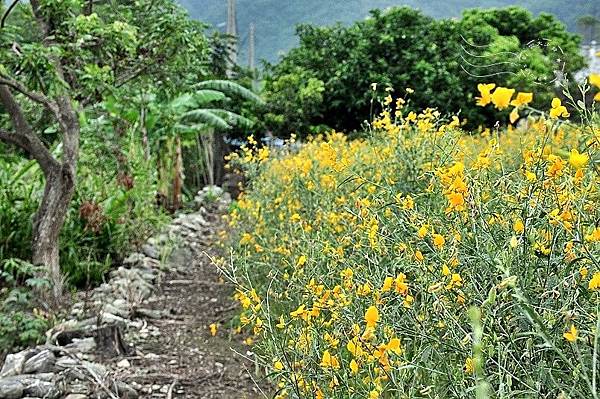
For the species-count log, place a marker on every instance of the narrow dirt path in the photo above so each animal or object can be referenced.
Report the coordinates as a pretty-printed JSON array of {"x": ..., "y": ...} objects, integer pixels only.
[{"x": 177, "y": 357}]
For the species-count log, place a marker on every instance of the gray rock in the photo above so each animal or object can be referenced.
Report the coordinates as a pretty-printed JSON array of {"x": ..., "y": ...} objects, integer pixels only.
[
  {"x": 79, "y": 389},
  {"x": 41, "y": 389},
  {"x": 11, "y": 389},
  {"x": 121, "y": 312},
  {"x": 40, "y": 363},
  {"x": 151, "y": 251},
  {"x": 149, "y": 313},
  {"x": 109, "y": 318},
  {"x": 84, "y": 345},
  {"x": 15, "y": 362}
]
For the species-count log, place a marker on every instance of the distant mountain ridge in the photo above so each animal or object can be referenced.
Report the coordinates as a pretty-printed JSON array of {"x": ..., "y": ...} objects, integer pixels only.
[{"x": 276, "y": 20}]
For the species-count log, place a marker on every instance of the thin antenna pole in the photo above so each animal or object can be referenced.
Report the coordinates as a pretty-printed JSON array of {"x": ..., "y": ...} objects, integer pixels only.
[{"x": 232, "y": 31}]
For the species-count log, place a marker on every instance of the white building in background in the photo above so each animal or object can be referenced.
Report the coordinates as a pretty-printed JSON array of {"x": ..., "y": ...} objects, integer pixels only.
[{"x": 591, "y": 52}]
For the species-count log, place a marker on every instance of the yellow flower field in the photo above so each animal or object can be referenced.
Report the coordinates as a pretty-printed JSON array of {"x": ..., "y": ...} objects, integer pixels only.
[{"x": 426, "y": 262}]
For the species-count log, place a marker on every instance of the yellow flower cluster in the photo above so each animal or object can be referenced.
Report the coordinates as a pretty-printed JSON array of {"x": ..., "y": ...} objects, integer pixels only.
[
  {"x": 357, "y": 261},
  {"x": 501, "y": 98}
]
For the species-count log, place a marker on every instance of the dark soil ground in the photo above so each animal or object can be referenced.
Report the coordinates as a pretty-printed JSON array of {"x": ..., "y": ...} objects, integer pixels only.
[{"x": 177, "y": 357}]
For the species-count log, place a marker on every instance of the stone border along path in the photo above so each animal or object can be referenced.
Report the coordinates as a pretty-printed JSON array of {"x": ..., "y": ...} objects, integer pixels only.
[{"x": 164, "y": 310}]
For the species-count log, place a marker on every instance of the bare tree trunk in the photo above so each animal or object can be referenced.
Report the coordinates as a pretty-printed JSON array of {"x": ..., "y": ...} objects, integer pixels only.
[
  {"x": 49, "y": 220},
  {"x": 219, "y": 158},
  {"x": 178, "y": 175},
  {"x": 60, "y": 173}
]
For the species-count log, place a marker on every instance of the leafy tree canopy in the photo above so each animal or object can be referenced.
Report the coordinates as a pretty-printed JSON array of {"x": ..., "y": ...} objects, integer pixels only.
[{"x": 442, "y": 60}]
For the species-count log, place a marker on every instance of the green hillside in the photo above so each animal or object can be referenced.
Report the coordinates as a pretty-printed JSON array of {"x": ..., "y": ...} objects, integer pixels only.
[{"x": 276, "y": 19}]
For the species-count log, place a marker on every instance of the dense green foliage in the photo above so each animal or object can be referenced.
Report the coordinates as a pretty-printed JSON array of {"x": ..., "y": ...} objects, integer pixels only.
[
  {"x": 146, "y": 83},
  {"x": 275, "y": 20},
  {"x": 328, "y": 80}
]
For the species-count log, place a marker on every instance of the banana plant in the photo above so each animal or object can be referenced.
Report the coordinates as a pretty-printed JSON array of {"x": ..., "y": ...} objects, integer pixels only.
[{"x": 200, "y": 115}]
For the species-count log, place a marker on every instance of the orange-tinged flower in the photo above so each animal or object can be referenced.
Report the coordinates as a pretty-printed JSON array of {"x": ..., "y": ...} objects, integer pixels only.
[
  {"x": 571, "y": 335},
  {"x": 522, "y": 99},
  {"x": 401, "y": 285},
  {"x": 594, "y": 236},
  {"x": 394, "y": 346},
  {"x": 501, "y": 97},
  {"x": 439, "y": 240},
  {"x": 372, "y": 316}
]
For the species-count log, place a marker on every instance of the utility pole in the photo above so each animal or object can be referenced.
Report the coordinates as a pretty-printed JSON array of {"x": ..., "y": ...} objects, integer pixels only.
[
  {"x": 251, "y": 47},
  {"x": 232, "y": 31}
]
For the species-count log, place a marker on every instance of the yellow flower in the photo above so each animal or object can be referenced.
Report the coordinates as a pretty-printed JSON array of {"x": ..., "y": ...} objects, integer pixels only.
[
  {"x": 408, "y": 300},
  {"x": 484, "y": 90},
  {"x": 595, "y": 80},
  {"x": 558, "y": 110},
  {"x": 501, "y": 97},
  {"x": 594, "y": 236},
  {"x": 246, "y": 238},
  {"x": 387, "y": 284},
  {"x": 213, "y": 329},
  {"x": 301, "y": 261},
  {"x": 514, "y": 242},
  {"x": 372, "y": 316},
  {"x": 354, "y": 349},
  {"x": 577, "y": 160},
  {"x": 353, "y": 366},
  {"x": 422, "y": 231},
  {"x": 595, "y": 282},
  {"x": 522, "y": 99},
  {"x": 514, "y": 116},
  {"x": 571, "y": 335},
  {"x": 394, "y": 346},
  {"x": 419, "y": 256},
  {"x": 298, "y": 312},
  {"x": 469, "y": 365},
  {"x": 438, "y": 240},
  {"x": 281, "y": 323},
  {"x": 329, "y": 361},
  {"x": 278, "y": 365},
  {"x": 374, "y": 394},
  {"x": 518, "y": 226}
]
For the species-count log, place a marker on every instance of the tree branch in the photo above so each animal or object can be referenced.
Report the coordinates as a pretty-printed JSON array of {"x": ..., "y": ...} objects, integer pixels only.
[
  {"x": 7, "y": 13},
  {"x": 34, "y": 96},
  {"x": 24, "y": 137},
  {"x": 65, "y": 114}
]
